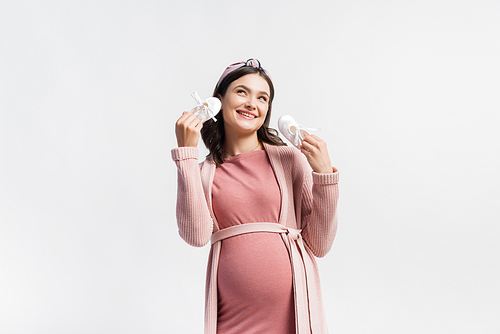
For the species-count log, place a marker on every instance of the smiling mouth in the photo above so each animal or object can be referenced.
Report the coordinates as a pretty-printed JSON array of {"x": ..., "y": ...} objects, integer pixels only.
[{"x": 245, "y": 114}]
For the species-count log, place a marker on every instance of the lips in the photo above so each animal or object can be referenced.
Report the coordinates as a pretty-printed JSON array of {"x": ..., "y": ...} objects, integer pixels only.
[{"x": 246, "y": 114}]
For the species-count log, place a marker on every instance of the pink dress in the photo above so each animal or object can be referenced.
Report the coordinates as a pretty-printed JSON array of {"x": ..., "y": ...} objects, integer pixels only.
[{"x": 255, "y": 292}]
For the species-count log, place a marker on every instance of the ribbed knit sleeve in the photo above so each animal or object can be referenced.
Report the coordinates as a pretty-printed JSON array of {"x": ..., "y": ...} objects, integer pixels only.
[
  {"x": 193, "y": 216},
  {"x": 319, "y": 211}
]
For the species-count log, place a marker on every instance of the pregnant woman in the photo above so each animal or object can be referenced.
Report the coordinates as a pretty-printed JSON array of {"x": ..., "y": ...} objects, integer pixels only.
[{"x": 266, "y": 208}]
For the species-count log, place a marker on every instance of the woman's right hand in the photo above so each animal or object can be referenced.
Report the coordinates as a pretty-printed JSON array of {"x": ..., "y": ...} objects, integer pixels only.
[{"x": 187, "y": 130}]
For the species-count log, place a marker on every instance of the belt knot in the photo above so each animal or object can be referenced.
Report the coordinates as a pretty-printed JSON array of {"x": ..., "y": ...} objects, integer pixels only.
[{"x": 293, "y": 233}]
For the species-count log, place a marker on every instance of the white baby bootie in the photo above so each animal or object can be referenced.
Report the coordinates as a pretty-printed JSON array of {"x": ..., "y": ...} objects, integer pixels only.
[
  {"x": 206, "y": 110},
  {"x": 292, "y": 130}
]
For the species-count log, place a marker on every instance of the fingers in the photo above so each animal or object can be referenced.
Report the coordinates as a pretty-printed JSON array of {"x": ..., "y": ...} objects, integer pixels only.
[
  {"x": 313, "y": 139},
  {"x": 188, "y": 121},
  {"x": 310, "y": 149},
  {"x": 313, "y": 142},
  {"x": 187, "y": 130},
  {"x": 315, "y": 150},
  {"x": 187, "y": 118},
  {"x": 193, "y": 122}
]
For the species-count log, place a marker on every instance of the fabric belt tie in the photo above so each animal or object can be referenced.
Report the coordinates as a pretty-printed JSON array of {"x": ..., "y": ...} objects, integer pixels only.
[{"x": 301, "y": 264}]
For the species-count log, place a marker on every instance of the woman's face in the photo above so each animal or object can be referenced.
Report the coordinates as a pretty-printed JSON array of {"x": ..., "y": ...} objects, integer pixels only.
[{"x": 245, "y": 104}]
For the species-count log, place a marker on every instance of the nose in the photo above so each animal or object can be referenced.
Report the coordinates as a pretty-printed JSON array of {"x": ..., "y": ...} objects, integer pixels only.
[{"x": 251, "y": 103}]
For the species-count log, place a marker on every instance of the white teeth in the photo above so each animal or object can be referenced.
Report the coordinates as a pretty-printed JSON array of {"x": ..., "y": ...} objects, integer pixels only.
[{"x": 245, "y": 114}]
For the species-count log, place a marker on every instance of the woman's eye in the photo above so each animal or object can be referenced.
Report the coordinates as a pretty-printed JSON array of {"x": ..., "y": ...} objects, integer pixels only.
[
  {"x": 241, "y": 91},
  {"x": 263, "y": 98}
]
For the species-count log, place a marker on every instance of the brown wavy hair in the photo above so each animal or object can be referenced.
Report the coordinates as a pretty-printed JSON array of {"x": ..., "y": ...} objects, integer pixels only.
[{"x": 213, "y": 133}]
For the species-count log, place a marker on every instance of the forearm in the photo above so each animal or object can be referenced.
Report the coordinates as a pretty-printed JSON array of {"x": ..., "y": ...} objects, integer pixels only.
[
  {"x": 193, "y": 217},
  {"x": 320, "y": 206}
]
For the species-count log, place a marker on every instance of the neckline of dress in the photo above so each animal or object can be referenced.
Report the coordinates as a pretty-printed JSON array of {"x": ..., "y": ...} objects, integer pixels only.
[{"x": 243, "y": 155}]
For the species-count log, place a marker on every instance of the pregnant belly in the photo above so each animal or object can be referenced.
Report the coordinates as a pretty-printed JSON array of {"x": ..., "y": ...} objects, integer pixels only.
[{"x": 255, "y": 282}]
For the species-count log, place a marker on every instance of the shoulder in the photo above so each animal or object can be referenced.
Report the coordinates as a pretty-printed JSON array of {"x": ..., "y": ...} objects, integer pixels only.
[
  {"x": 290, "y": 157},
  {"x": 281, "y": 151},
  {"x": 208, "y": 164}
]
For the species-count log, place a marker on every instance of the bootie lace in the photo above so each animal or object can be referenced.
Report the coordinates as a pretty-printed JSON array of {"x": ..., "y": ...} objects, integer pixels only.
[{"x": 206, "y": 110}]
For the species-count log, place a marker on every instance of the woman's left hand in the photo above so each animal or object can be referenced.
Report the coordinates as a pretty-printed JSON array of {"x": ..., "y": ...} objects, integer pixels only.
[{"x": 314, "y": 148}]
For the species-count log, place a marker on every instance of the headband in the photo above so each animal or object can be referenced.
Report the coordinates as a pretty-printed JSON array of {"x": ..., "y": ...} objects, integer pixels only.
[{"x": 252, "y": 62}]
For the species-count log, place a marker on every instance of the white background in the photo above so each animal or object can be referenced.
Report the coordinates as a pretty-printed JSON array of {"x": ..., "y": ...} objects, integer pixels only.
[{"x": 406, "y": 94}]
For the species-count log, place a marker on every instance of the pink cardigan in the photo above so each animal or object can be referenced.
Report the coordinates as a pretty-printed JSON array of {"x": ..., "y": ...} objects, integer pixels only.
[{"x": 308, "y": 203}]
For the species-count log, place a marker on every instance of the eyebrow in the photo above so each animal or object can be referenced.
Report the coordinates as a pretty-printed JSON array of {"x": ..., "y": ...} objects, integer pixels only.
[{"x": 245, "y": 87}]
